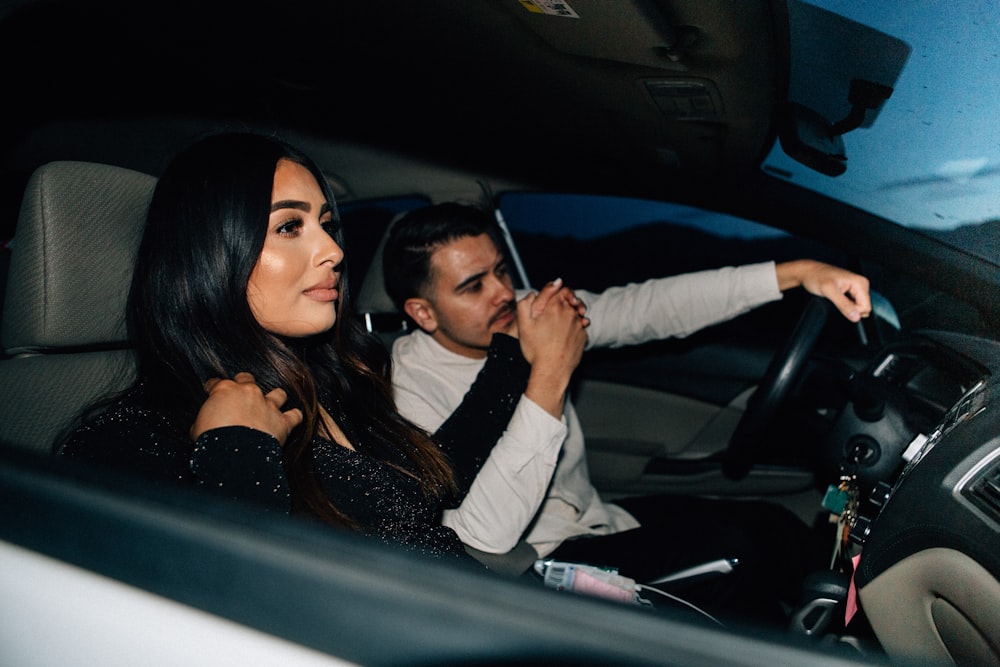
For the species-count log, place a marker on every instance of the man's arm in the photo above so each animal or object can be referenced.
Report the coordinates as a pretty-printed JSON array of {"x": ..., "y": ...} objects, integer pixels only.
[
  {"x": 540, "y": 366},
  {"x": 509, "y": 490},
  {"x": 678, "y": 306},
  {"x": 469, "y": 434},
  {"x": 847, "y": 290},
  {"x": 504, "y": 498},
  {"x": 512, "y": 481},
  {"x": 552, "y": 333}
]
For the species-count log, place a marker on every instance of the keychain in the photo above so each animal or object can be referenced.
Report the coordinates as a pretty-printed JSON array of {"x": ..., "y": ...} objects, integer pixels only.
[{"x": 841, "y": 500}]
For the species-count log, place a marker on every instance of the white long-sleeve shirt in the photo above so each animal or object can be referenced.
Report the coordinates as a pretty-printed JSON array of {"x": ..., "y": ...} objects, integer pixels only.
[{"x": 535, "y": 484}]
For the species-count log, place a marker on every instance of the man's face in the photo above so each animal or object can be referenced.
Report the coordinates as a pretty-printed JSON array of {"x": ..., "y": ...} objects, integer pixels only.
[{"x": 470, "y": 296}]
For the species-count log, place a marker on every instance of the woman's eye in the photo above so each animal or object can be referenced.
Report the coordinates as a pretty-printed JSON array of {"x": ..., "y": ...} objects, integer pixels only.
[{"x": 289, "y": 228}]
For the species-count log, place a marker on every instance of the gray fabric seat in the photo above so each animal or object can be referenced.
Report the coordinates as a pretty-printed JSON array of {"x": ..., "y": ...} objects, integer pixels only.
[
  {"x": 63, "y": 329},
  {"x": 373, "y": 302}
]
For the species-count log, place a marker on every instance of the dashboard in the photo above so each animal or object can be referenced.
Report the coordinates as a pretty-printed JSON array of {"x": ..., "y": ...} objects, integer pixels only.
[
  {"x": 911, "y": 396},
  {"x": 928, "y": 528}
]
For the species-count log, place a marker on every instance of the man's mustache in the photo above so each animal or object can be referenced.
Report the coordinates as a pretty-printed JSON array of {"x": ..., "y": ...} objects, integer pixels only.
[{"x": 508, "y": 307}]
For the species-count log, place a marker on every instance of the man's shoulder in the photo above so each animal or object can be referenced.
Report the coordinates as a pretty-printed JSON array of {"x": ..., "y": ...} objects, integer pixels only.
[
  {"x": 415, "y": 354},
  {"x": 419, "y": 361},
  {"x": 412, "y": 344},
  {"x": 427, "y": 382}
]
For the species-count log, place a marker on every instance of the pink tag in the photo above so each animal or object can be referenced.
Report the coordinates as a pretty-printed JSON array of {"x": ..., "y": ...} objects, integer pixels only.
[
  {"x": 852, "y": 594},
  {"x": 585, "y": 583}
]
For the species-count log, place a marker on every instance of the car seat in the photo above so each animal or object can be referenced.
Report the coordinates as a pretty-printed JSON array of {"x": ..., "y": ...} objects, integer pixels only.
[
  {"x": 373, "y": 302},
  {"x": 63, "y": 330}
]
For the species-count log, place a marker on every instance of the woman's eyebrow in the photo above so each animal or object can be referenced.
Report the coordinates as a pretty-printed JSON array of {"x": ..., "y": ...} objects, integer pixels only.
[
  {"x": 300, "y": 205},
  {"x": 290, "y": 203}
]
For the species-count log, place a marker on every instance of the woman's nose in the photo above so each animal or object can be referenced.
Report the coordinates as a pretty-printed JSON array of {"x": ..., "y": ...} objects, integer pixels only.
[{"x": 329, "y": 250}]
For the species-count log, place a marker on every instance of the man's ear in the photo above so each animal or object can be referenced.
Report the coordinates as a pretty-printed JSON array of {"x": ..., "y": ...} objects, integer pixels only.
[{"x": 422, "y": 312}]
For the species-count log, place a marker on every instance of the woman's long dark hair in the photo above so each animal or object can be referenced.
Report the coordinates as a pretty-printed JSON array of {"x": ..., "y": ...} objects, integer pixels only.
[{"x": 190, "y": 320}]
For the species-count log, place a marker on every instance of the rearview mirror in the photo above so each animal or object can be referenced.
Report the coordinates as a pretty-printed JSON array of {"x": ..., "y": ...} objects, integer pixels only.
[{"x": 841, "y": 73}]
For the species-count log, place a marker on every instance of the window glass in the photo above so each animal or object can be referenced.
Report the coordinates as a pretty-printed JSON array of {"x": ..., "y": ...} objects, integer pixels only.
[
  {"x": 595, "y": 242},
  {"x": 931, "y": 159}
]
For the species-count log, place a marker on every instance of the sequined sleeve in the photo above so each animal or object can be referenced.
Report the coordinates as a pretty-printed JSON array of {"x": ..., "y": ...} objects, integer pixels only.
[
  {"x": 133, "y": 438},
  {"x": 235, "y": 462},
  {"x": 469, "y": 434},
  {"x": 243, "y": 463}
]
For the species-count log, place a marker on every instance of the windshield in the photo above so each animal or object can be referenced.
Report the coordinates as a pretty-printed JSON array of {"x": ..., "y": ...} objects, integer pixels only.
[{"x": 931, "y": 158}]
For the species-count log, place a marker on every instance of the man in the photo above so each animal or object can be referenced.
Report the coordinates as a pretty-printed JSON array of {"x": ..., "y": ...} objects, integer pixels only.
[{"x": 444, "y": 267}]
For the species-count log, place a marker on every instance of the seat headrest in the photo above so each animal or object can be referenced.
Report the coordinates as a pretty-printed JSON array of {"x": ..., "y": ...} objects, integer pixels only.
[
  {"x": 372, "y": 297},
  {"x": 380, "y": 313},
  {"x": 72, "y": 257}
]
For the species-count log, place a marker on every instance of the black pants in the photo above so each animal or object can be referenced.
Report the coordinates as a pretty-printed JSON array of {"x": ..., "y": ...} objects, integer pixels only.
[{"x": 775, "y": 550}]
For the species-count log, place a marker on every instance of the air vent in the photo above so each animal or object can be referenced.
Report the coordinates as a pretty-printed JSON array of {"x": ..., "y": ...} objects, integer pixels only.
[{"x": 984, "y": 492}]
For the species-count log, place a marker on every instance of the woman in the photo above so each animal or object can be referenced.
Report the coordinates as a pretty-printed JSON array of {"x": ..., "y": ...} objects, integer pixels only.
[{"x": 255, "y": 379}]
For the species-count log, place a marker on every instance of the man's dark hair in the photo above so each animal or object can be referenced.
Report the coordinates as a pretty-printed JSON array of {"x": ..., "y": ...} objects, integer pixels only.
[{"x": 406, "y": 257}]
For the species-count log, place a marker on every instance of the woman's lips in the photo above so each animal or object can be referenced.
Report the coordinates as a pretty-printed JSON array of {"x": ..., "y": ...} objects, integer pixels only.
[{"x": 322, "y": 292}]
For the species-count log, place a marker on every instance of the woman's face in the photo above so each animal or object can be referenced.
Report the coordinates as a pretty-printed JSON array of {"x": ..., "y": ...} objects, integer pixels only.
[{"x": 293, "y": 287}]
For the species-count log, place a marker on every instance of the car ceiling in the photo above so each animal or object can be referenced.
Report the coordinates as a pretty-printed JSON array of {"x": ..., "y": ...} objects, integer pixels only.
[{"x": 487, "y": 85}]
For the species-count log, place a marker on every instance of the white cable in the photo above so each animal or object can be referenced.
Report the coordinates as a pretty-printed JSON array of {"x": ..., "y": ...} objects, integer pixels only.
[
  {"x": 644, "y": 587},
  {"x": 562, "y": 575}
]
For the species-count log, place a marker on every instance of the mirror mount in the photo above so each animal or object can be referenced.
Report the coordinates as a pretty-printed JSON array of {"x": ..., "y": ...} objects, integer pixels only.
[{"x": 863, "y": 95}]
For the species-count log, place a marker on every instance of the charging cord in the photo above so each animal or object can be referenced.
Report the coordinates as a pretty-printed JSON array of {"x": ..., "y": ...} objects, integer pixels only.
[
  {"x": 651, "y": 589},
  {"x": 603, "y": 582}
]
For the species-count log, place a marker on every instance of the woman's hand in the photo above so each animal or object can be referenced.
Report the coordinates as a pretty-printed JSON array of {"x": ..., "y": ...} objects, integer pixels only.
[
  {"x": 240, "y": 402},
  {"x": 552, "y": 337},
  {"x": 556, "y": 288}
]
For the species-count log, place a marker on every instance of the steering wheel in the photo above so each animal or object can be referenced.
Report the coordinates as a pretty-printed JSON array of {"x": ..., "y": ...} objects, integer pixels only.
[{"x": 781, "y": 374}]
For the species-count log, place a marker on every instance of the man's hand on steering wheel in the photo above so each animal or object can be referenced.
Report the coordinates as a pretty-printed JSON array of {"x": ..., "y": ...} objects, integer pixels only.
[
  {"x": 849, "y": 293},
  {"x": 845, "y": 289}
]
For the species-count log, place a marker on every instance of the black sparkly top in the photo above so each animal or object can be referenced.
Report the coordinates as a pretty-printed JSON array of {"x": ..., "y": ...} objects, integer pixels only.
[{"x": 245, "y": 464}]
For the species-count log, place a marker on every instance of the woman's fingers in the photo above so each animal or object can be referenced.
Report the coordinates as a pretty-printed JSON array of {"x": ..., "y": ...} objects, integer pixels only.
[
  {"x": 241, "y": 402},
  {"x": 293, "y": 418},
  {"x": 276, "y": 396}
]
